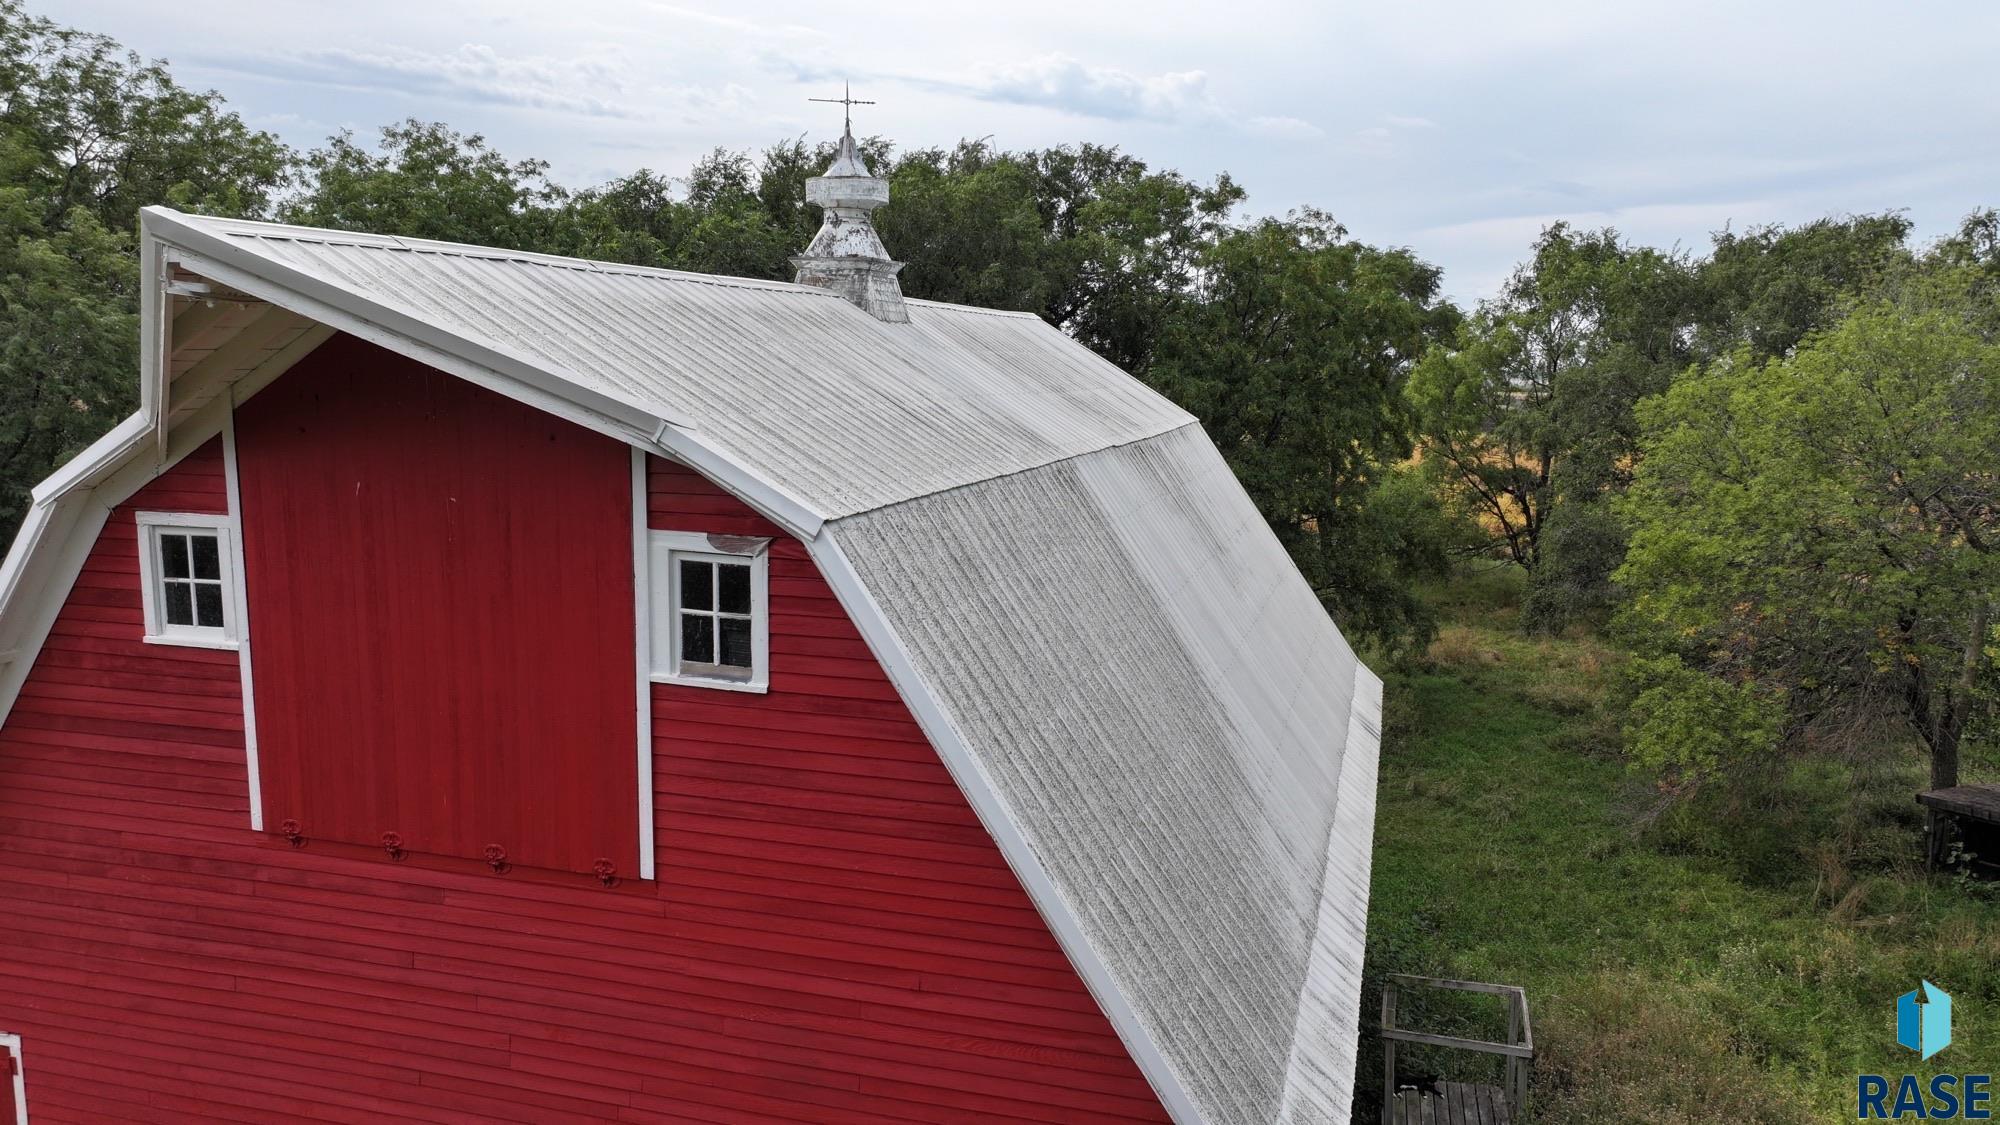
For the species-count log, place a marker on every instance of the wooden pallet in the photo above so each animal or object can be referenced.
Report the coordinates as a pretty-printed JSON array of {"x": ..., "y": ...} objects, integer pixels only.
[{"x": 1455, "y": 1103}]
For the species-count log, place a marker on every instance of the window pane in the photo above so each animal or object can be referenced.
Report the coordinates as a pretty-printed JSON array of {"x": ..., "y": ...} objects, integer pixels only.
[
  {"x": 180, "y": 601},
  {"x": 735, "y": 588},
  {"x": 174, "y": 556},
  {"x": 735, "y": 642},
  {"x": 697, "y": 585},
  {"x": 697, "y": 638},
  {"x": 207, "y": 556},
  {"x": 208, "y": 604}
]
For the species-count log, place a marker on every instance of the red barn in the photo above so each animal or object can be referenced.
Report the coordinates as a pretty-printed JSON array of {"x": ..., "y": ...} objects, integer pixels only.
[{"x": 479, "y": 686}]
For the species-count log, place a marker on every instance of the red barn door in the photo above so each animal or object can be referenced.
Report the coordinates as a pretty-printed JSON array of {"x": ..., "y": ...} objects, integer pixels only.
[{"x": 440, "y": 584}]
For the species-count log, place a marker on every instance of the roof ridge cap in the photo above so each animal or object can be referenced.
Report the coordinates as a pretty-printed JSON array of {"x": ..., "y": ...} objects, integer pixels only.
[
  {"x": 290, "y": 232},
  {"x": 1035, "y": 468}
]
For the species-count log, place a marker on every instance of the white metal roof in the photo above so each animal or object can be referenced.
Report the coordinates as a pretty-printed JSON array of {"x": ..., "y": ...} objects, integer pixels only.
[
  {"x": 791, "y": 381},
  {"x": 1148, "y": 708},
  {"x": 1179, "y": 733}
]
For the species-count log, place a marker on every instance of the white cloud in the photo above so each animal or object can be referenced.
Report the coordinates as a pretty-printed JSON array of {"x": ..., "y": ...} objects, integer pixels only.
[
  {"x": 755, "y": 28},
  {"x": 1667, "y": 118},
  {"x": 597, "y": 81},
  {"x": 1060, "y": 81},
  {"x": 597, "y": 84},
  {"x": 1284, "y": 128},
  {"x": 1065, "y": 83}
]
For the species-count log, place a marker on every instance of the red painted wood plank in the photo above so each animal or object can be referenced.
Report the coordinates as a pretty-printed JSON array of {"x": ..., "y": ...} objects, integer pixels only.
[{"x": 441, "y": 581}]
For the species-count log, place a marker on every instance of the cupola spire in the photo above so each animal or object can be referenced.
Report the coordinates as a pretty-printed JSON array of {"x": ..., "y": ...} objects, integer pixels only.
[{"x": 847, "y": 256}]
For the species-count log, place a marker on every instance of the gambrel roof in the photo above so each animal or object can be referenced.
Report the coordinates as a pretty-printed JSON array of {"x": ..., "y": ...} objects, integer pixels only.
[{"x": 1147, "y": 707}]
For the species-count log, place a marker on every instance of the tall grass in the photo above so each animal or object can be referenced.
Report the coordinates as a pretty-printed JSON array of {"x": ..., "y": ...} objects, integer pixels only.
[{"x": 1730, "y": 955}]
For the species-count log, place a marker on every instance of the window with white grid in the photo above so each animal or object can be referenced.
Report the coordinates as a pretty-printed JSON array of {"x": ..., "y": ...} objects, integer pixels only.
[
  {"x": 187, "y": 577},
  {"x": 709, "y": 615}
]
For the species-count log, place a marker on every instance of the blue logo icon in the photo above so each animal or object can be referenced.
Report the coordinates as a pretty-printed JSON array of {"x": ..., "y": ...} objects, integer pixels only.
[{"x": 1924, "y": 1025}]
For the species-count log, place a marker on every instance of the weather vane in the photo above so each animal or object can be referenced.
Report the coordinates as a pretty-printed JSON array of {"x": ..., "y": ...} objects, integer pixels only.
[{"x": 848, "y": 101}]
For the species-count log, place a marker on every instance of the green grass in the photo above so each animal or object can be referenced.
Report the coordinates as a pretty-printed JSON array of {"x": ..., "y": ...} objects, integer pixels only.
[{"x": 1733, "y": 956}]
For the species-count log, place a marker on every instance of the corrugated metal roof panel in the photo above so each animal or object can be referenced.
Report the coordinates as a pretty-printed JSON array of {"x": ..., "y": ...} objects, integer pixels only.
[
  {"x": 794, "y": 382},
  {"x": 1181, "y": 734}
]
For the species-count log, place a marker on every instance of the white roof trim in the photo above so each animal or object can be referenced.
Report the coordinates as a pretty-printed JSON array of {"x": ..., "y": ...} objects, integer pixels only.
[
  {"x": 496, "y": 369},
  {"x": 203, "y": 252},
  {"x": 255, "y": 229}
]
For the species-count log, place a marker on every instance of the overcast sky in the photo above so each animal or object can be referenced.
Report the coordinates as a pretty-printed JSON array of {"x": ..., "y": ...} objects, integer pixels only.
[{"x": 1457, "y": 127}]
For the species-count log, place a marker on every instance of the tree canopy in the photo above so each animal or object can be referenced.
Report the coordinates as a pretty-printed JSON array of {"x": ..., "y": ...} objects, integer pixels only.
[
  {"x": 1559, "y": 426},
  {"x": 88, "y": 135},
  {"x": 1526, "y": 415},
  {"x": 1293, "y": 351},
  {"x": 1816, "y": 538}
]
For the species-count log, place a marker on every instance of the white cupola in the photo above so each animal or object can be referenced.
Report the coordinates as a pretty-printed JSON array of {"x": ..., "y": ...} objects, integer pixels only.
[{"x": 847, "y": 256}]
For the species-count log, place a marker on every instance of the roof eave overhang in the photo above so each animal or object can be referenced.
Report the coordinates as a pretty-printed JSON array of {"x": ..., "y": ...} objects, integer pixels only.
[{"x": 170, "y": 239}]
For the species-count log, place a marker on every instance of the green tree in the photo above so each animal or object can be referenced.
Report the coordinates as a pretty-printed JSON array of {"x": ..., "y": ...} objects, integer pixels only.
[
  {"x": 1772, "y": 286},
  {"x": 89, "y": 134},
  {"x": 1526, "y": 416},
  {"x": 1133, "y": 243},
  {"x": 969, "y": 224},
  {"x": 427, "y": 181},
  {"x": 1293, "y": 350},
  {"x": 1816, "y": 538}
]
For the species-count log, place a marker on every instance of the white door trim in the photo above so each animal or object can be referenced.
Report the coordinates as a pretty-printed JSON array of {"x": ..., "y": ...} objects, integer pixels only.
[
  {"x": 11, "y": 1046},
  {"x": 643, "y": 654}
]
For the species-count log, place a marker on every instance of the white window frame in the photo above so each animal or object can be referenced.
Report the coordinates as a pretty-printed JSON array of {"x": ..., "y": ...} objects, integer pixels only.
[
  {"x": 158, "y": 631},
  {"x": 17, "y": 1089},
  {"x": 666, "y": 549}
]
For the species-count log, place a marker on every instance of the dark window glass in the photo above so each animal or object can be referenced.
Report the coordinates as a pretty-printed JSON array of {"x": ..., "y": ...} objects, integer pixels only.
[
  {"x": 174, "y": 555},
  {"x": 735, "y": 642},
  {"x": 180, "y": 603},
  {"x": 697, "y": 585},
  {"x": 697, "y": 638},
  {"x": 735, "y": 588},
  {"x": 207, "y": 556},
  {"x": 208, "y": 604}
]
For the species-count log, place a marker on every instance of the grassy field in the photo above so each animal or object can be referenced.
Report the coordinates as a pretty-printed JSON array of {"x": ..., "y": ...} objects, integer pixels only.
[{"x": 1730, "y": 957}]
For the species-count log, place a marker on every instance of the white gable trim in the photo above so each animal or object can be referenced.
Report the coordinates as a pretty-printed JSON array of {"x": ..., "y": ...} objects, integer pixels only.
[
  {"x": 69, "y": 513},
  {"x": 549, "y": 390},
  {"x": 220, "y": 258},
  {"x": 999, "y": 821}
]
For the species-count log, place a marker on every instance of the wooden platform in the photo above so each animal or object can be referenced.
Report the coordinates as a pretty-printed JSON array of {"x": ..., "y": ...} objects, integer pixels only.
[
  {"x": 1976, "y": 802},
  {"x": 1456, "y": 1103},
  {"x": 1970, "y": 816}
]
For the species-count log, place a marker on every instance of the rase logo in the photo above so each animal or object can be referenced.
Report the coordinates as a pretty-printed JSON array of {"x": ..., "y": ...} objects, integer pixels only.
[{"x": 1923, "y": 1024}]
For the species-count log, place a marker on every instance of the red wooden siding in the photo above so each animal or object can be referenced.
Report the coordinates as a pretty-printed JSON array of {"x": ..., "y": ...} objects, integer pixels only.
[
  {"x": 440, "y": 587},
  {"x": 832, "y": 937}
]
